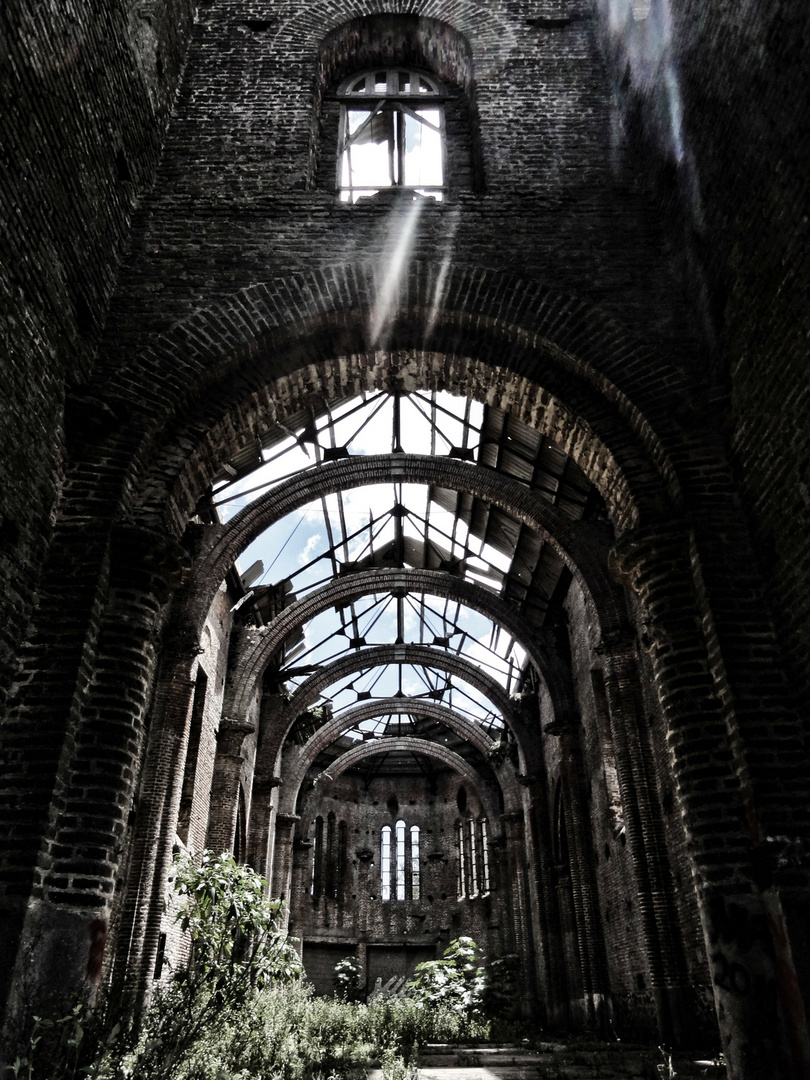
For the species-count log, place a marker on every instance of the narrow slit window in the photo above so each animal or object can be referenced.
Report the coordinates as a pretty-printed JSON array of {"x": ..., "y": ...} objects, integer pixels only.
[
  {"x": 190, "y": 770},
  {"x": 385, "y": 862},
  {"x": 316, "y": 885},
  {"x": 329, "y": 860},
  {"x": 415, "y": 875},
  {"x": 462, "y": 867},
  {"x": 473, "y": 861},
  {"x": 485, "y": 880},
  {"x": 400, "y": 860},
  {"x": 340, "y": 869}
]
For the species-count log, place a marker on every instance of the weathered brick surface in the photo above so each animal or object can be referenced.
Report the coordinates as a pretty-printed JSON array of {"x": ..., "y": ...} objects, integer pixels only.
[
  {"x": 85, "y": 100},
  {"x": 619, "y": 263},
  {"x": 357, "y": 914}
]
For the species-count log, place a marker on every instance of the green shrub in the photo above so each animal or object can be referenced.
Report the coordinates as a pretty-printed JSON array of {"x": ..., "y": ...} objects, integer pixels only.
[
  {"x": 240, "y": 1010},
  {"x": 456, "y": 980}
]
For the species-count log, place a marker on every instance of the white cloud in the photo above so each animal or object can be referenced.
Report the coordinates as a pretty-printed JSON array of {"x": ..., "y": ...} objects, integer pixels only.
[{"x": 310, "y": 548}]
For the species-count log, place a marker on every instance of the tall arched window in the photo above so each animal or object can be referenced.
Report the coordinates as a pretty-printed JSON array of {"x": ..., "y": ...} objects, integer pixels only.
[
  {"x": 473, "y": 860},
  {"x": 330, "y": 859},
  {"x": 391, "y": 134},
  {"x": 462, "y": 861},
  {"x": 415, "y": 874},
  {"x": 485, "y": 878},
  {"x": 385, "y": 862},
  {"x": 340, "y": 869},
  {"x": 316, "y": 884},
  {"x": 400, "y": 860}
]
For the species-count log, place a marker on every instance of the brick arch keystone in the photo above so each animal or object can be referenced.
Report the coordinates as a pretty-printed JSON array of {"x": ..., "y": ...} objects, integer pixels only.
[{"x": 343, "y": 590}]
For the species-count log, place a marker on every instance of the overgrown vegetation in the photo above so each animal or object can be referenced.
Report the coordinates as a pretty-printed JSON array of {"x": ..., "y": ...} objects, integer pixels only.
[{"x": 240, "y": 1009}]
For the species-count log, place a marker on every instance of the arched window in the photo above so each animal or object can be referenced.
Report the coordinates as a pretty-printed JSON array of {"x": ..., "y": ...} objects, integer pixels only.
[
  {"x": 400, "y": 860},
  {"x": 415, "y": 875},
  {"x": 385, "y": 862},
  {"x": 340, "y": 870},
  {"x": 391, "y": 134},
  {"x": 462, "y": 861},
  {"x": 330, "y": 860},
  {"x": 316, "y": 884},
  {"x": 485, "y": 878},
  {"x": 474, "y": 868}
]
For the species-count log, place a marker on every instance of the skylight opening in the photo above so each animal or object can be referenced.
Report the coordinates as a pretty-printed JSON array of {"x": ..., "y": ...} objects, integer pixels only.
[
  {"x": 378, "y": 619},
  {"x": 405, "y": 681}
]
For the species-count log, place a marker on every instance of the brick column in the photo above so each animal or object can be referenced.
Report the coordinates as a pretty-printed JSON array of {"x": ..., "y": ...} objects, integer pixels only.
[
  {"x": 757, "y": 995},
  {"x": 635, "y": 772},
  {"x": 86, "y": 840},
  {"x": 156, "y": 822},
  {"x": 283, "y": 857},
  {"x": 590, "y": 939},
  {"x": 515, "y": 857},
  {"x": 260, "y": 834},
  {"x": 225, "y": 783},
  {"x": 550, "y": 957}
]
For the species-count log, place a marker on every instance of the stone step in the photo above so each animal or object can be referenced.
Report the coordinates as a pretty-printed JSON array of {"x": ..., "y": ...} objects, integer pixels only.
[{"x": 556, "y": 1061}]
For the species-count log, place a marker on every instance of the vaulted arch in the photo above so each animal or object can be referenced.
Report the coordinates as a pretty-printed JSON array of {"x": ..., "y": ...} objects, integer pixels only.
[
  {"x": 298, "y": 760},
  {"x": 552, "y": 360},
  {"x": 258, "y": 652},
  {"x": 414, "y": 746},
  {"x": 582, "y": 546}
]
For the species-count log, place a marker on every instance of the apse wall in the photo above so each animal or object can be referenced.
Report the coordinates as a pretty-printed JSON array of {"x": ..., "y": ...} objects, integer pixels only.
[{"x": 341, "y": 912}]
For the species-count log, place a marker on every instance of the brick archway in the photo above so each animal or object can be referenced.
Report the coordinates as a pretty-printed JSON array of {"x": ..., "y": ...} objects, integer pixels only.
[
  {"x": 525, "y": 734},
  {"x": 229, "y": 372},
  {"x": 583, "y": 547},
  {"x": 302, "y": 758},
  {"x": 262, "y": 645},
  {"x": 415, "y": 746}
]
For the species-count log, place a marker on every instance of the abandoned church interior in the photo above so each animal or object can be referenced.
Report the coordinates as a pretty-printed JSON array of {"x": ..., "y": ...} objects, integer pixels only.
[{"x": 406, "y": 488}]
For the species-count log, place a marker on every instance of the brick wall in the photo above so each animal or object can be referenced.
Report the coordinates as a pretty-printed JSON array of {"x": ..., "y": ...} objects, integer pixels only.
[
  {"x": 358, "y": 913},
  {"x": 621, "y": 263},
  {"x": 86, "y": 98}
]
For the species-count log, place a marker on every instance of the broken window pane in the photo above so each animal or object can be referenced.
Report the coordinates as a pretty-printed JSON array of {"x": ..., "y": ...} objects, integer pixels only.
[{"x": 387, "y": 143}]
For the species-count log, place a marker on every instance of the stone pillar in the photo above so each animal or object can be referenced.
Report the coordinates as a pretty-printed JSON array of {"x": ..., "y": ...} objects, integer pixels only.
[
  {"x": 645, "y": 840},
  {"x": 760, "y": 1011},
  {"x": 260, "y": 837},
  {"x": 515, "y": 857},
  {"x": 283, "y": 858},
  {"x": 225, "y": 783}
]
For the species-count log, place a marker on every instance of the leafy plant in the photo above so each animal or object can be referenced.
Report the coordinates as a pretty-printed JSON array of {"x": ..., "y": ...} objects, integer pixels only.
[
  {"x": 395, "y": 1067},
  {"x": 347, "y": 979},
  {"x": 237, "y": 948},
  {"x": 456, "y": 980},
  {"x": 236, "y": 939}
]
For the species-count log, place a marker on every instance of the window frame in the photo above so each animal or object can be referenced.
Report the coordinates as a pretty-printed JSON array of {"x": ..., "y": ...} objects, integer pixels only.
[
  {"x": 375, "y": 100},
  {"x": 385, "y": 863}
]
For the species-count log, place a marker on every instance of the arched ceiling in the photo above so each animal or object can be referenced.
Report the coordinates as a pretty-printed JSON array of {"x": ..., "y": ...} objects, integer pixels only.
[{"x": 399, "y": 563}]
